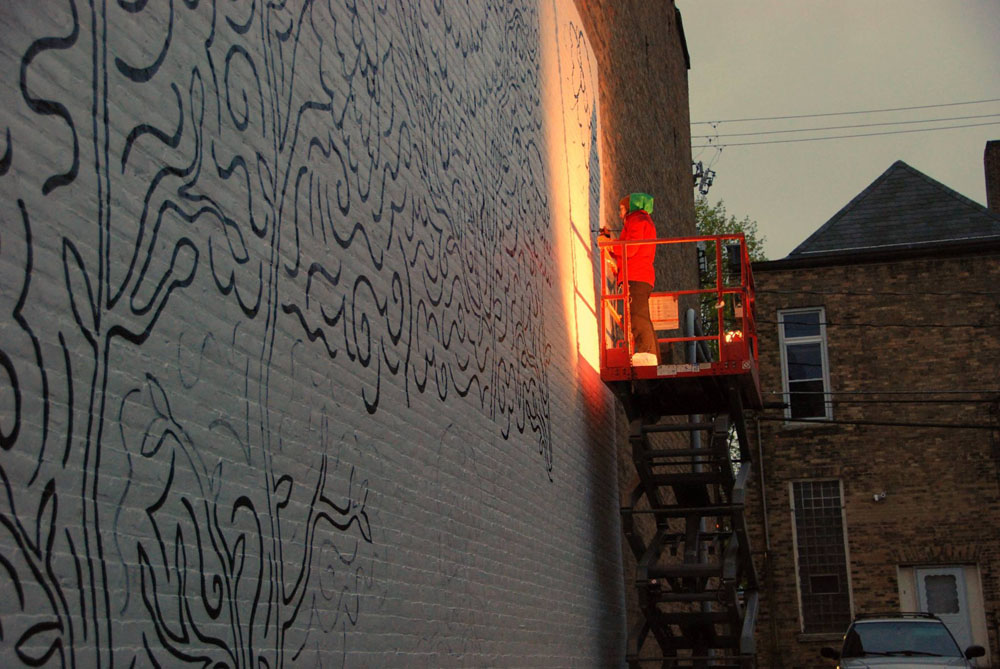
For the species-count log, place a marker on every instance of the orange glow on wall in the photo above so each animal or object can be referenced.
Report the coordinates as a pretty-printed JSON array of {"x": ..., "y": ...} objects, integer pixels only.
[{"x": 569, "y": 77}]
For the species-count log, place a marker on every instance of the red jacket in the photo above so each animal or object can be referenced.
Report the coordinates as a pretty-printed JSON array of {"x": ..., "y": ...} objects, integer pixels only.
[{"x": 638, "y": 225}]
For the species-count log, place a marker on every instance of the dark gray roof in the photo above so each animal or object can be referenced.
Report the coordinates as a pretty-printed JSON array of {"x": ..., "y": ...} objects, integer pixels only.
[{"x": 903, "y": 208}]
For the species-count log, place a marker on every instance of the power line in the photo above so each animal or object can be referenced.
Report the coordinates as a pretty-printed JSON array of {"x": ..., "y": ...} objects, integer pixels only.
[
  {"x": 844, "y": 127},
  {"x": 888, "y": 423},
  {"x": 845, "y": 113},
  {"x": 876, "y": 293},
  {"x": 856, "y": 324},
  {"x": 988, "y": 391},
  {"x": 891, "y": 400},
  {"x": 913, "y": 401},
  {"x": 865, "y": 134},
  {"x": 849, "y": 397}
]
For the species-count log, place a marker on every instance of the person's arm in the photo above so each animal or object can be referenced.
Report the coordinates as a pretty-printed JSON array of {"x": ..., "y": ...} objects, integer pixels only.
[{"x": 608, "y": 252}]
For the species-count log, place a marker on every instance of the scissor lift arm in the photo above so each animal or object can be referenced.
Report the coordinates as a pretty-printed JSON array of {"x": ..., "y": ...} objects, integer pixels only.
[{"x": 683, "y": 516}]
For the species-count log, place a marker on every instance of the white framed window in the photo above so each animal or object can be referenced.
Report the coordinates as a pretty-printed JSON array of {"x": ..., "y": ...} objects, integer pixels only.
[
  {"x": 805, "y": 369},
  {"x": 820, "y": 543}
]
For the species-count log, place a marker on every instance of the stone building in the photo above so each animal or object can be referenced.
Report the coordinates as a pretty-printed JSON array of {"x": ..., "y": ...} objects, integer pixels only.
[
  {"x": 879, "y": 488},
  {"x": 297, "y": 326}
]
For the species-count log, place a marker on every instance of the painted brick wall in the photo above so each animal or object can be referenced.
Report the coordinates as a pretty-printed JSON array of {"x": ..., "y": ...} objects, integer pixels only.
[
  {"x": 291, "y": 367},
  {"x": 645, "y": 116},
  {"x": 925, "y": 324},
  {"x": 643, "y": 68}
]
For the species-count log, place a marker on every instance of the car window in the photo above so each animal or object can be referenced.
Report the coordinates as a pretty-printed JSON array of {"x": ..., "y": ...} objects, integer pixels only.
[{"x": 889, "y": 637}]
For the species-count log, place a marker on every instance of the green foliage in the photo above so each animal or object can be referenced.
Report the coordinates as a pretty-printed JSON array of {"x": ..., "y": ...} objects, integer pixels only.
[{"x": 712, "y": 220}]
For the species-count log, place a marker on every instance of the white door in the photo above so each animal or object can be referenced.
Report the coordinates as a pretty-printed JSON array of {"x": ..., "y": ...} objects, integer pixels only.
[{"x": 941, "y": 591}]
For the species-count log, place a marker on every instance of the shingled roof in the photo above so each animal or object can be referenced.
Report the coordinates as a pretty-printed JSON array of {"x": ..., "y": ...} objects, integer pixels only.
[{"x": 902, "y": 209}]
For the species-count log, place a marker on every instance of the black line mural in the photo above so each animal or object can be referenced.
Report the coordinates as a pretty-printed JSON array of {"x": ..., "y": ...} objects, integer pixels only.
[{"x": 229, "y": 229}]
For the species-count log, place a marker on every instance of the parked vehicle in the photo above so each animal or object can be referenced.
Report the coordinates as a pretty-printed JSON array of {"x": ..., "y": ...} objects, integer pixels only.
[{"x": 901, "y": 639}]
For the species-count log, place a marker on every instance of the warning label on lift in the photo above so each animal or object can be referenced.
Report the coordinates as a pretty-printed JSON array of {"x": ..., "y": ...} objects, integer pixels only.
[{"x": 671, "y": 370}]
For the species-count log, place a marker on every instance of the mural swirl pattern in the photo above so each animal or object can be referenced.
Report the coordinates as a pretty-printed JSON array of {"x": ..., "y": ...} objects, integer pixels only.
[{"x": 225, "y": 226}]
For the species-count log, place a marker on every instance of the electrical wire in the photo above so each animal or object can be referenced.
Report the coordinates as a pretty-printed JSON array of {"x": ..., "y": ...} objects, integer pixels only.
[
  {"x": 988, "y": 391},
  {"x": 845, "y": 127},
  {"x": 875, "y": 293},
  {"x": 846, "y": 113},
  {"x": 936, "y": 402},
  {"x": 995, "y": 391},
  {"x": 941, "y": 401},
  {"x": 915, "y": 326},
  {"x": 887, "y": 423},
  {"x": 865, "y": 134}
]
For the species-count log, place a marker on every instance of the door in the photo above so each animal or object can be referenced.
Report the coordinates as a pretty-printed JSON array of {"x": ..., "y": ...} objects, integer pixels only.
[{"x": 941, "y": 591}]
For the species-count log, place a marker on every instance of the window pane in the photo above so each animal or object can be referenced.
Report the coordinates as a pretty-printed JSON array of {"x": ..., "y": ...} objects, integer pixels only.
[
  {"x": 942, "y": 593},
  {"x": 822, "y": 584},
  {"x": 821, "y": 558},
  {"x": 804, "y": 364},
  {"x": 801, "y": 324},
  {"x": 805, "y": 361},
  {"x": 806, "y": 399}
]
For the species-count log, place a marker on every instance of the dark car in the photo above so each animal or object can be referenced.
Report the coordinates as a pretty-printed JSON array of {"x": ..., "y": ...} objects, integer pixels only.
[{"x": 910, "y": 639}]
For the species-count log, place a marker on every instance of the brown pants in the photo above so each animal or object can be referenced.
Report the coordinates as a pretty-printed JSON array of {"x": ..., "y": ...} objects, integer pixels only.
[{"x": 643, "y": 335}]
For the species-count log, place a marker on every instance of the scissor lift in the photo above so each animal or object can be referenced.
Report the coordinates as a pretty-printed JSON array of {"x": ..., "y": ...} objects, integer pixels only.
[{"x": 683, "y": 517}]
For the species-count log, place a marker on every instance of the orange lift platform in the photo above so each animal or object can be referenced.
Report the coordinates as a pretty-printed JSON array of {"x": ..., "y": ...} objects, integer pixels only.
[
  {"x": 706, "y": 328},
  {"x": 683, "y": 515}
]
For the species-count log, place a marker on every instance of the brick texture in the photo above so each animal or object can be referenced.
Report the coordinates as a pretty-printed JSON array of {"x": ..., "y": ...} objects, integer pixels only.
[
  {"x": 645, "y": 116},
  {"x": 645, "y": 147},
  {"x": 287, "y": 370},
  {"x": 894, "y": 327}
]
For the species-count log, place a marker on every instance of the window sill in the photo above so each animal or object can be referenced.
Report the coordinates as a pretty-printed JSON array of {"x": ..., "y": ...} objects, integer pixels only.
[
  {"x": 807, "y": 424},
  {"x": 819, "y": 636}
]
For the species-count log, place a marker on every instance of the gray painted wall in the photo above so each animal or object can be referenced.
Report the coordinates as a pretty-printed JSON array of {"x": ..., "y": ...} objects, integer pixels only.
[{"x": 284, "y": 368}]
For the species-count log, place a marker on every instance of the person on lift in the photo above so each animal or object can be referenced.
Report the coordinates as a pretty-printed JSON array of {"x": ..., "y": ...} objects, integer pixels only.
[{"x": 635, "y": 210}]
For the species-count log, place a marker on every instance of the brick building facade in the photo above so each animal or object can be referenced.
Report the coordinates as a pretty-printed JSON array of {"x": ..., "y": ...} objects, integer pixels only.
[
  {"x": 297, "y": 327},
  {"x": 879, "y": 333}
]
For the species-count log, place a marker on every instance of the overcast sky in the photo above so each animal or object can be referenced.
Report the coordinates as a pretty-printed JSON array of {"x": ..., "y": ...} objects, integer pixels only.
[{"x": 769, "y": 58}]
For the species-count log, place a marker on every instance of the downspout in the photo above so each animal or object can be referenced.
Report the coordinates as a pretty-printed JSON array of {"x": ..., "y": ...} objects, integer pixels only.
[
  {"x": 690, "y": 326},
  {"x": 763, "y": 494},
  {"x": 692, "y": 357},
  {"x": 768, "y": 580}
]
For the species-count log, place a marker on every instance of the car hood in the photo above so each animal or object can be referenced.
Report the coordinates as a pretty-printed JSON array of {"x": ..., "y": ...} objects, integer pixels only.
[{"x": 901, "y": 662}]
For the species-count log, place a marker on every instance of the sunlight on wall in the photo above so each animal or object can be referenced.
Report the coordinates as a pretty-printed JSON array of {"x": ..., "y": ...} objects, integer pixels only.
[{"x": 569, "y": 79}]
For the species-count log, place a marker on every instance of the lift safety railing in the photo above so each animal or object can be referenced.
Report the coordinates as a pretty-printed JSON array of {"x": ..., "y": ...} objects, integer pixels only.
[{"x": 722, "y": 290}]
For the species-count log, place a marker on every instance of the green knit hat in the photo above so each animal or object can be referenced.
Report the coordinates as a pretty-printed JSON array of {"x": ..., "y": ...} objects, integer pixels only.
[{"x": 640, "y": 201}]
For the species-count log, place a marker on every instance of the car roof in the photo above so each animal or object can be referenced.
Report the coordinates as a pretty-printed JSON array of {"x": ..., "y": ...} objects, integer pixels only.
[
  {"x": 898, "y": 617},
  {"x": 889, "y": 619}
]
